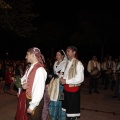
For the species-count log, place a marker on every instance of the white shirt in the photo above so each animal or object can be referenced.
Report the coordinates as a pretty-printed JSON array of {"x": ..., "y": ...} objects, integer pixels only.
[
  {"x": 95, "y": 64},
  {"x": 38, "y": 85},
  {"x": 79, "y": 78},
  {"x": 103, "y": 66},
  {"x": 112, "y": 65},
  {"x": 118, "y": 66}
]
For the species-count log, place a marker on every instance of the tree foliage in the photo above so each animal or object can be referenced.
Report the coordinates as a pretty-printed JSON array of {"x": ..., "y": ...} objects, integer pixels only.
[
  {"x": 4, "y": 5},
  {"x": 18, "y": 17}
]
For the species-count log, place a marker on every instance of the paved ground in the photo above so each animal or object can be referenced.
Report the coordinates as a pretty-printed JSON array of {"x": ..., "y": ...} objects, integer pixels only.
[{"x": 93, "y": 107}]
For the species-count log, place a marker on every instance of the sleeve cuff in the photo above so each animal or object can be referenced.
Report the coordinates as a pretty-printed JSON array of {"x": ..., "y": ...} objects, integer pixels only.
[{"x": 32, "y": 107}]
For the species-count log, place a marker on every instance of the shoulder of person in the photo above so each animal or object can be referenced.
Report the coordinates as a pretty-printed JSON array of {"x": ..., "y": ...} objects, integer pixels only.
[
  {"x": 41, "y": 69},
  {"x": 55, "y": 63},
  {"x": 79, "y": 62},
  {"x": 90, "y": 61},
  {"x": 64, "y": 61}
]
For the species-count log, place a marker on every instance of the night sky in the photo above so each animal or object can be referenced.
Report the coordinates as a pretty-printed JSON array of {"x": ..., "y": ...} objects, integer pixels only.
[{"x": 88, "y": 23}]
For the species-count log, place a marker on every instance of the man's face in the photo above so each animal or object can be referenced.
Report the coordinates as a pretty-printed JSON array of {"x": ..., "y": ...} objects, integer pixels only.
[
  {"x": 29, "y": 57},
  {"x": 94, "y": 58},
  {"x": 110, "y": 58},
  {"x": 70, "y": 53}
]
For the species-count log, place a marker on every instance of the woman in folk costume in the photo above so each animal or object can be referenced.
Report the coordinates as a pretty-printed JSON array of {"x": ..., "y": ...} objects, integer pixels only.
[
  {"x": 55, "y": 88},
  {"x": 33, "y": 82}
]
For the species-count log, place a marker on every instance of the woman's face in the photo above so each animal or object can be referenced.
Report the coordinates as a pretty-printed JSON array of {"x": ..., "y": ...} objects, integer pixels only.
[{"x": 59, "y": 56}]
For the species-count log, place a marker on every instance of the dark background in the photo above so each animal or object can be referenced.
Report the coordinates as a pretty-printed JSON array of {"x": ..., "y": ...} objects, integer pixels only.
[{"x": 94, "y": 30}]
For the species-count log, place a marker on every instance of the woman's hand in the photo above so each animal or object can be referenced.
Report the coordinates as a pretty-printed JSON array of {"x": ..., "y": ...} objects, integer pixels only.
[
  {"x": 17, "y": 94},
  {"x": 29, "y": 111},
  {"x": 62, "y": 81}
]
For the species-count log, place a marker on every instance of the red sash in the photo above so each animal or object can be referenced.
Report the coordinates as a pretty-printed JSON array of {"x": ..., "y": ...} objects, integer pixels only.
[{"x": 71, "y": 89}]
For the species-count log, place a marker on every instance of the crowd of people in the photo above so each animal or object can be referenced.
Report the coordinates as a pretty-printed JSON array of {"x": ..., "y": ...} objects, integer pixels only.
[
  {"x": 108, "y": 71},
  {"x": 46, "y": 90}
]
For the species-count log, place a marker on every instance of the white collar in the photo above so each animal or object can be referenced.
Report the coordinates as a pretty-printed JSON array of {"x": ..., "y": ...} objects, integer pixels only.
[
  {"x": 34, "y": 63},
  {"x": 71, "y": 60}
]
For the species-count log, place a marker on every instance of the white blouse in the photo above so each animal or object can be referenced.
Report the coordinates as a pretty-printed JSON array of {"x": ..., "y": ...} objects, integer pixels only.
[{"x": 59, "y": 67}]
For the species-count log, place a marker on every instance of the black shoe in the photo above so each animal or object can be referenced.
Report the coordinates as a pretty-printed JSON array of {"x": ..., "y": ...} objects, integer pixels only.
[
  {"x": 71, "y": 118},
  {"x": 97, "y": 92}
]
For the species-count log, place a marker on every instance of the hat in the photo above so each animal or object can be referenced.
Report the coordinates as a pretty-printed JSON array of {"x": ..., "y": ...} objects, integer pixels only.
[{"x": 72, "y": 48}]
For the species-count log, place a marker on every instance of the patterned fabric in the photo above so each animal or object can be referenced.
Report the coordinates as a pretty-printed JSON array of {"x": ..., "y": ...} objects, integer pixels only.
[
  {"x": 55, "y": 109},
  {"x": 72, "y": 71},
  {"x": 45, "y": 111},
  {"x": 53, "y": 89}
]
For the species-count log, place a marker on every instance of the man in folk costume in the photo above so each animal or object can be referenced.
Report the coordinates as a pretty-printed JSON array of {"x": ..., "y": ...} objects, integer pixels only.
[
  {"x": 103, "y": 70},
  {"x": 111, "y": 68},
  {"x": 34, "y": 83},
  {"x": 72, "y": 78},
  {"x": 93, "y": 65},
  {"x": 117, "y": 81}
]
